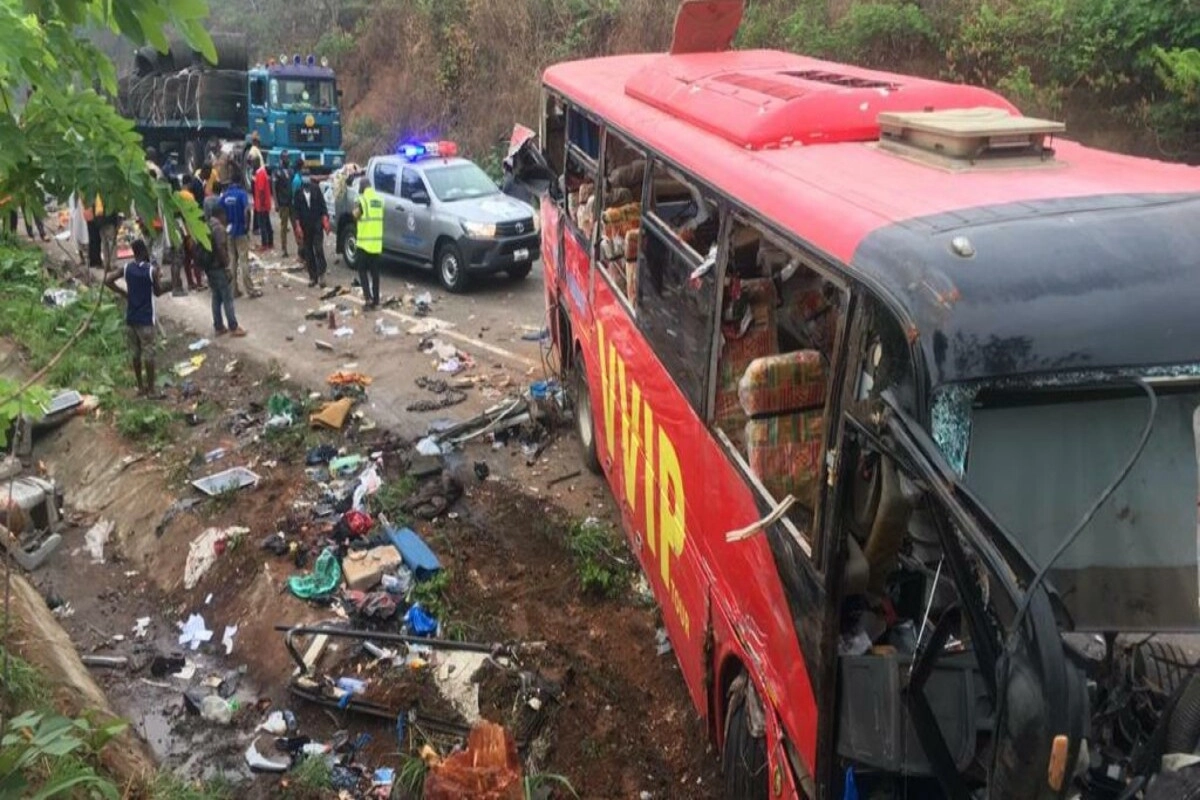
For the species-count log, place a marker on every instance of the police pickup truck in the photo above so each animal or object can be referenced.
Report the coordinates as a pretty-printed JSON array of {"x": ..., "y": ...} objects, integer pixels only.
[{"x": 443, "y": 212}]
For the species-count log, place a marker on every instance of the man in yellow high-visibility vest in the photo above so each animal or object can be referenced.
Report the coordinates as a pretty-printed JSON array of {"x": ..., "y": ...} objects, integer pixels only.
[{"x": 369, "y": 240}]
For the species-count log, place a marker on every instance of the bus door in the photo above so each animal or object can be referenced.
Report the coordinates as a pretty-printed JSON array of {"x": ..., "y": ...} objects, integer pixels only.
[{"x": 777, "y": 385}]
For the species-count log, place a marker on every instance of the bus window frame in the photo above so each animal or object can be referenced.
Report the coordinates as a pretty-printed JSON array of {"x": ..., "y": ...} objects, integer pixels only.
[
  {"x": 653, "y": 225},
  {"x": 605, "y": 132},
  {"x": 812, "y": 540}
]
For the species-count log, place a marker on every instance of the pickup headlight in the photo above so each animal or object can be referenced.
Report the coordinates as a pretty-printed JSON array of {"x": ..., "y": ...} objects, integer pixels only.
[{"x": 481, "y": 230}]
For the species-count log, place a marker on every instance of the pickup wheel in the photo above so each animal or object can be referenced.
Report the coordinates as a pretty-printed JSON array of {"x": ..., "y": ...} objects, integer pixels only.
[
  {"x": 585, "y": 421},
  {"x": 519, "y": 272},
  {"x": 349, "y": 239},
  {"x": 744, "y": 757},
  {"x": 451, "y": 270}
]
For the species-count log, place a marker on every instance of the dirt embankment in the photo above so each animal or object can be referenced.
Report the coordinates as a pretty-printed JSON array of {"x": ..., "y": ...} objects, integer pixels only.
[{"x": 623, "y": 724}]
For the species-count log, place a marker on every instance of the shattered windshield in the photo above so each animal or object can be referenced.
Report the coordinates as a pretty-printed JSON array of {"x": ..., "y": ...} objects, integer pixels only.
[
  {"x": 460, "y": 182},
  {"x": 1038, "y": 458},
  {"x": 302, "y": 93}
]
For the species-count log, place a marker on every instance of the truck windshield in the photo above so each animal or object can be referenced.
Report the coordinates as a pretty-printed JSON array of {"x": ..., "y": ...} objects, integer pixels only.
[
  {"x": 460, "y": 182},
  {"x": 1038, "y": 459},
  {"x": 302, "y": 93}
]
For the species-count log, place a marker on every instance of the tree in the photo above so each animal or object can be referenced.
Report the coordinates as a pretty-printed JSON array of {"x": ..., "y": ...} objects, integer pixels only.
[{"x": 59, "y": 132}]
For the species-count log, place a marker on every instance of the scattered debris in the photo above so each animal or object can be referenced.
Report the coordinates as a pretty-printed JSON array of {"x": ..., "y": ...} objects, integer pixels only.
[
  {"x": 95, "y": 539},
  {"x": 332, "y": 415},
  {"x": 205, "y": 549},
  {"x": 364, "y": 569},
  {"x": 199, "y": 345},
  {"x": 323, "y": 345},
  {"x": 415, "y": 554},
  {"x": 194, "y": 632},
  {"x": 189, "y": 367},
  {"x": 215, "y": 708},
  {"x": 257, "y": 762},
  {"x": 106, "y": 662},
  {"x": 60, "y": 298},
  {"x": 347, "y": 378},
  {"x": 226, "y": 481},
  {"x": 325, "y": 577}
]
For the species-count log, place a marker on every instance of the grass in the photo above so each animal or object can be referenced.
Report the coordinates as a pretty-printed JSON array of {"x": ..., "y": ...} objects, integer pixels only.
[
  {"x": 594, "y": 546},
  {"x": 310, "y": 778},
  {"x": 168, "y": 786},
  {"x": 25, "y": 687},
  {"x": 543, "y": 784},
  {"x": 391, "y": 496},
  {"x": 410, "y": 777},
  {"x": 146, "y": 421},
  {"x": 433, "y": 594}
]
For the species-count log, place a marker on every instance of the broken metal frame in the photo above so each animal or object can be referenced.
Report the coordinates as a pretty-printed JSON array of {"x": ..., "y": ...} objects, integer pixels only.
[{"x": 292, "y": 631}]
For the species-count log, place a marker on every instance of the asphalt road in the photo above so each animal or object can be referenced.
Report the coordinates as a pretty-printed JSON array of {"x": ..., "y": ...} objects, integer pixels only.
[{"x": 486, "y": 324}]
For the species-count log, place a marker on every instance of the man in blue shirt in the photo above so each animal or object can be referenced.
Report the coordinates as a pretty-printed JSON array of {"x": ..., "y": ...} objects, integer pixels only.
[
  {"x": 236, "y": 203},
  {"x": 142, "y": 285}
]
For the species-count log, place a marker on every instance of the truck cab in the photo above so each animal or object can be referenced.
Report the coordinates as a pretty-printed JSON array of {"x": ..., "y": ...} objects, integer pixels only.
[{"x": 293, "y": 105}]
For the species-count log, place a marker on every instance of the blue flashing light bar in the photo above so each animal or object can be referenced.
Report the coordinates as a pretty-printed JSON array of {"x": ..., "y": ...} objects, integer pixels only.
[{"x": 414, "y": 151}]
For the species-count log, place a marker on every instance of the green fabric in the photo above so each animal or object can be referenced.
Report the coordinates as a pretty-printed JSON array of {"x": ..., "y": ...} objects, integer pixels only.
[
  {"x": 370, "y": 223},
  {"x": 281, "y": 404},
  {"x": 325, "y": 577}
]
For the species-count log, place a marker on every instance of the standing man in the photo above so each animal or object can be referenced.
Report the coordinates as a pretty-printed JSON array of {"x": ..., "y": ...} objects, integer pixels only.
[
  {"x": 369, "y": 240},
  {"x": 215, "y": 262},
  {"x": 236, "y": 203},
  {"x": 283, "y": 197},
  {"x": 262, "y": 206},
  {"x": 312, "y": 218},
  {"x": 142, "y": 285},
  {"x": 252, "y": 151}
]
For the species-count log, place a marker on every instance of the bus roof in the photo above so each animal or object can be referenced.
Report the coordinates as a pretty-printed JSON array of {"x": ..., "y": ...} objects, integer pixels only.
[{"x": 1040, "y": 235}]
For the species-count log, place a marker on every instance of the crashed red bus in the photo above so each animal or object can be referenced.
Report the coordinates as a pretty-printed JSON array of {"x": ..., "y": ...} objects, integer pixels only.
[{"x": 897, "y": 392}]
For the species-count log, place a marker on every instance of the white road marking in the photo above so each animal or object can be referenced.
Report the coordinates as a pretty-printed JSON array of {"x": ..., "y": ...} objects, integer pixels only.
[{"x": 444, "y": 326}]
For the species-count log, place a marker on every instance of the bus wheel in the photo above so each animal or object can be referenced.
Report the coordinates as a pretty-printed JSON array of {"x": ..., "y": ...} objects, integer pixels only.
[
  {"x": 744, "y": 757},
  {"x": 585, "y": 423}
]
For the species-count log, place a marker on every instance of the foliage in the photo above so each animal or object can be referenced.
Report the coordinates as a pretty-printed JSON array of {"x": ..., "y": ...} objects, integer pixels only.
[
  {"x": 542, "y": 783},
  {"x": 39, "y": 756},
  {"x": 410, "y": 777},
  {"x": 432, "y": 594},
  {"x": 146, "y": 421},
  {"x": 391, "y": 496},
  {"x": 168, "y": 786},
  {"x": 96, "y": 363},
  {"x": 594, "y": 545},
  {"x": 59, "y": 134},
  {"x": 312, "y": 775},
  {"x": 883, "y": 34}
]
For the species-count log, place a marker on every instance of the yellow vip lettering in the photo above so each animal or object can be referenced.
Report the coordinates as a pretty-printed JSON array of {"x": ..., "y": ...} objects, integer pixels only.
[
  {"x": 670, "y": 505},
  {"x": 608, "y": 390},
  {"x": 648, "y": 480},
  {"x": 631, "y": 437}
]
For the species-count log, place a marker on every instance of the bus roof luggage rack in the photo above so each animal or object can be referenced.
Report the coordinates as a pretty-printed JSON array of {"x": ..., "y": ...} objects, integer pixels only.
[{"x": 970, "y": 135}]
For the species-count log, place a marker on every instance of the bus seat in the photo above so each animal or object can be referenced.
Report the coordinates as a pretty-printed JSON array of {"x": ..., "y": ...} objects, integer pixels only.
[
  {"x": 784, "y": 398},
  {"x": 761, "y": 339}
]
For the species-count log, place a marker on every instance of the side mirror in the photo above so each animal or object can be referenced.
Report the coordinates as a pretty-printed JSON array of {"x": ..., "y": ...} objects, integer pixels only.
[{"x": 420, "y": 197}]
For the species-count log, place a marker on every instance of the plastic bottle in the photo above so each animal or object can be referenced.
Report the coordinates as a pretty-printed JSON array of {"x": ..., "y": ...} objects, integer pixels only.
[{"x": 215, "y": 708}]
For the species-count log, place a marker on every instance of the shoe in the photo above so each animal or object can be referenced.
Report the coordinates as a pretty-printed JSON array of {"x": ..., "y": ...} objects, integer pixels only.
[
  {"x": 255, "y": 294},
  {"x": 238, "y": 332},
  {"x": 221, "y": 331}
]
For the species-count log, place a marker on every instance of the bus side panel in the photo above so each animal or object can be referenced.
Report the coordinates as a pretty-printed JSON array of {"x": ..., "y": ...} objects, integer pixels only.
[
  {"x": 551, "y": 220},
  {"x": 748, "y": 603},
  {"x": 649, "y": 442}
]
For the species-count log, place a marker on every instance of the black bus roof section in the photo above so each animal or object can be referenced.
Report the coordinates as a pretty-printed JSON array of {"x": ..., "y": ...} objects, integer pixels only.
[{"x": 1088, "y": 283}]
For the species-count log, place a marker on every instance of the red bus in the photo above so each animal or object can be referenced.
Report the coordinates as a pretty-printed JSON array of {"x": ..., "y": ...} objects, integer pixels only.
[{"x": 897, "y": 392}]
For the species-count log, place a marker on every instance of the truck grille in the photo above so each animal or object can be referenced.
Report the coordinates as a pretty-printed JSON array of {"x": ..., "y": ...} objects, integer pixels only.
[
  {"x": 515, "y": 227},
  {"x": 303, "y": 135}
]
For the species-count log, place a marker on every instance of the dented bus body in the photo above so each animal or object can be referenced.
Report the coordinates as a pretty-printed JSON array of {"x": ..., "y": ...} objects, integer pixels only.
[{"x": 897, "y": 392}]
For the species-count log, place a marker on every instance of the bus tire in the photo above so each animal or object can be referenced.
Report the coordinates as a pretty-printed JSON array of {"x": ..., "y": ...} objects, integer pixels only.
[
  {"x": 451, "y": 270},
  {"x": 744, "y": 756},
  {"x": 585, "y": 421}
]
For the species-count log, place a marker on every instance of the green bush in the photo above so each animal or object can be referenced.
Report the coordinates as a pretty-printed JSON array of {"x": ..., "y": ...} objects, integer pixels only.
[{"x": 883, "y": 34}]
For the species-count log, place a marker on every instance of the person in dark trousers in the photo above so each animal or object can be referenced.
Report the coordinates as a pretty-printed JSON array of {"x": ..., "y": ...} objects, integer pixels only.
[
  {"x": 282, "y": 184},
  {"x": 262, "y": 206},
  {"x": 369, "y": 241},
  {"x": 214, "y": 260},
  {"x": 142, "y": 285},
  {"x": 312, "y": 219}
]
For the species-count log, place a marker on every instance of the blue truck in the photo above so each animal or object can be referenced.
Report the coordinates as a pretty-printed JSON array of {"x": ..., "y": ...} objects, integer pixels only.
[{"x": 186, "y": 109}]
